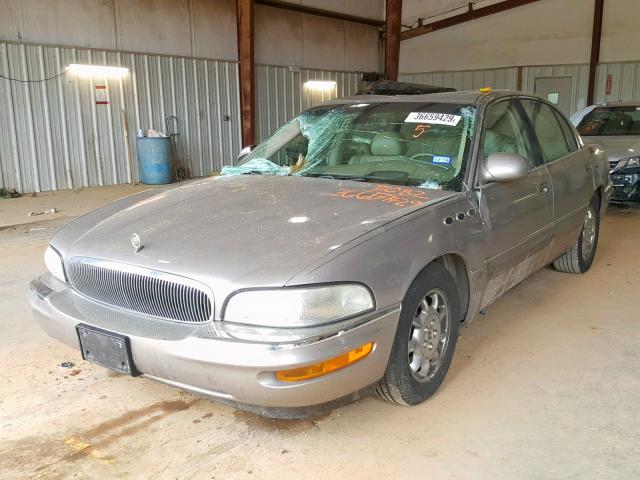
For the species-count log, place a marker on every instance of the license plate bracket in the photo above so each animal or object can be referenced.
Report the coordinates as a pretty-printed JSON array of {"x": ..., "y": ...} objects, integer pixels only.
[{"x": 108, "y": 349}]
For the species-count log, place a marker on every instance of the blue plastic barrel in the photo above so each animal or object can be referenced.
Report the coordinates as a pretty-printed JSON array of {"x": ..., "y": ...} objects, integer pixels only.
[{"x": 154, "y": 160}]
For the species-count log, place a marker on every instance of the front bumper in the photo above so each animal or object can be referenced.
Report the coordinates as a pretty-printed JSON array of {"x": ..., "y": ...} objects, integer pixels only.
[
  {"x": 626, "y": 187},
  {"x": 194, "y": 358}
]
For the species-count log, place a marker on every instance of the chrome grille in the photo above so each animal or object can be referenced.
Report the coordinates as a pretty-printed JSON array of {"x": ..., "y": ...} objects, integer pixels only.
[{"x": 142, "y": 290}]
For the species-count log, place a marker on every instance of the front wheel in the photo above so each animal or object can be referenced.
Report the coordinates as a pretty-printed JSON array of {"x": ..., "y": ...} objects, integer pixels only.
[
  {"x": 425, "y": 339},
  {"x": 579, "y": 257}
]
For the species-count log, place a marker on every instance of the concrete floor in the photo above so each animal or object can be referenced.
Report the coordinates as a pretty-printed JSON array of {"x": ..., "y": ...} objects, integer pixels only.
[{"x": 546, "y": 385}]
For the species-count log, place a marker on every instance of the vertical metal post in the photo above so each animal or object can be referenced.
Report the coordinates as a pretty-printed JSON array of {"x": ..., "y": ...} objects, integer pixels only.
[
  {"x": 519, "y": 79},
  {"x": 392, "y": 39},
  {"x": 596, "y": 35},
  {"x": 245, "y": 22}
]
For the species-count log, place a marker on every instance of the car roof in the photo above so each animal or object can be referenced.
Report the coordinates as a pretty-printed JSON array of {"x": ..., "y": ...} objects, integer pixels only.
[
  {"x": 468, "y": 97},
  {"x": 620, "y": 103}
]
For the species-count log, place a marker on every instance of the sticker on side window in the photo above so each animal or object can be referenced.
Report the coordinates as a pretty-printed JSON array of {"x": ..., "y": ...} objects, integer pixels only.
[
  {"x": 441, "y": 160},
  {"x": 434, "y": 118}
]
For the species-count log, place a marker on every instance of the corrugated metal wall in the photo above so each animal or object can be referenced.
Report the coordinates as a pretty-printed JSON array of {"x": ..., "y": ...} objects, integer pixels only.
[
  {"x": 507, "y": 78},
  {"x": 579, "y": 72},
  {"x": 281, "y": 94},
  {"x": 625, "y": 81},
  {"x": 503, "y": 78},
  {"x": 54, "y": 136}
]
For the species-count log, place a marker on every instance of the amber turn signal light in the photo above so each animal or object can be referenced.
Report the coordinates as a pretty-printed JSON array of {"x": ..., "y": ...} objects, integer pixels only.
[{"x": 328, "y": 366}]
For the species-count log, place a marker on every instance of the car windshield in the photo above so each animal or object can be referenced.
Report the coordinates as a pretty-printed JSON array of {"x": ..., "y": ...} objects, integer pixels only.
[
  {"x": 415, "y": 144},
  {"x": 611, "y": 121}
]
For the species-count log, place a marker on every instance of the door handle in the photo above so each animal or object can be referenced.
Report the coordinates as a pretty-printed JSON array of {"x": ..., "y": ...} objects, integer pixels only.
[{"x": 544, "y": 189}]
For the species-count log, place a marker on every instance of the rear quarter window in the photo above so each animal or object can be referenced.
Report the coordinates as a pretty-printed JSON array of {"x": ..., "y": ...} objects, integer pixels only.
[
  {"x": 568, "y": 132},
  {"x": 549, "y": 130}
]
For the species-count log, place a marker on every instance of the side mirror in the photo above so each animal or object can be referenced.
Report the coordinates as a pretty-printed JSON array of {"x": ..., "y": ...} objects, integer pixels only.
[
  {"x": 245, "y": 151},
  {"x": 502, "y": 167}
]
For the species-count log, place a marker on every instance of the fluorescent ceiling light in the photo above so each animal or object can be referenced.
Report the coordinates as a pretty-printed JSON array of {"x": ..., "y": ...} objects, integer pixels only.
[
  {"x": 320, "y": 84},
  {"x": 98, "y": 70}
]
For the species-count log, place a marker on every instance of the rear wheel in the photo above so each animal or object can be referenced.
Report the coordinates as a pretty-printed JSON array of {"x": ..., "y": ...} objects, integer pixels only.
[
  {"x": 579, "y": 257},
  {"x": 425, "y": 339}
]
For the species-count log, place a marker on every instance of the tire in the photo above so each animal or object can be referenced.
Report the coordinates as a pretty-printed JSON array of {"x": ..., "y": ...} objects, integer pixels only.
[
  {"x": 578, "y": 258},
  {"x": 402, "y": 384}
]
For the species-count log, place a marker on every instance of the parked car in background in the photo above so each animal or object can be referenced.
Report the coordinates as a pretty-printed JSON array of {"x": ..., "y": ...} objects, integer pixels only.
[
  {"x": 616, "y": 127},
  {"x": 338, "y": 258}
]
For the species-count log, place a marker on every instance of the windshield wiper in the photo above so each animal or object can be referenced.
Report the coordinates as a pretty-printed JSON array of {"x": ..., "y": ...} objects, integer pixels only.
[
  {"x": 334, "y": 177},
  {"x": 366, "y": 178}
]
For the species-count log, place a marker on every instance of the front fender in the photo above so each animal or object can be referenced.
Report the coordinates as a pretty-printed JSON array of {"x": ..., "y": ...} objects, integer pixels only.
[{"x": 389, "y": 258}]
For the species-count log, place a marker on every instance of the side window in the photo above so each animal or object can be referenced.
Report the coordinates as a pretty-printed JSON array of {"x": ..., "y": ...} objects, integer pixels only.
[
  {"x": 505, "y": 132},
  {"x": 568, "y": 132},
  {"x": 551, "y": 136}
]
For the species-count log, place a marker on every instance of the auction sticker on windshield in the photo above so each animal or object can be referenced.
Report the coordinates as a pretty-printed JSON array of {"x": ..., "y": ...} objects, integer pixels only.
[
  {"x": 434, "y": 118},
  {"x": 441, "y": 160}
]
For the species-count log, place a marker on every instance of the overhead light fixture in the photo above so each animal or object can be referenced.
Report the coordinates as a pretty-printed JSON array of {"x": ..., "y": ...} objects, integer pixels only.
[
  {"x": 320, "y": 84},
  {"x": 98, "y": 70}
]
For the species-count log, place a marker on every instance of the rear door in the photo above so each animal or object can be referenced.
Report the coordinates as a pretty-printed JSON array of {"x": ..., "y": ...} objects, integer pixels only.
[
  {"x": 516, "y": 214},
  {"x": 570, "y": 167}
]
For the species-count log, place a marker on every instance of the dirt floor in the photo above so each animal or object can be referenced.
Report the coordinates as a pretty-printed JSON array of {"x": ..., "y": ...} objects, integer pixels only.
[
  {"x": 546, "y": 385},
  {"x": 68, "y": 204}
]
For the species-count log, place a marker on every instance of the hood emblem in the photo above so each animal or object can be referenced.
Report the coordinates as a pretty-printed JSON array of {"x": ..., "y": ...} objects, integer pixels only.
[{"x": 136, "y": 242}]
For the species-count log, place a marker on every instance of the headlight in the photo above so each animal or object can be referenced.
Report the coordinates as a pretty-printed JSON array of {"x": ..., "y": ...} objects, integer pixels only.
[
  {"x": 627, "y": 162},
  {"x": 53, "y": 261},
  {"x": 298, "y": 307}
]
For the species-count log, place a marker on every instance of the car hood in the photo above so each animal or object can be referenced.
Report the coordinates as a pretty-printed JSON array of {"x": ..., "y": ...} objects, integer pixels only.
[
  {"x": 243, "y": 231},
  {"x": 617, "y": 147}
]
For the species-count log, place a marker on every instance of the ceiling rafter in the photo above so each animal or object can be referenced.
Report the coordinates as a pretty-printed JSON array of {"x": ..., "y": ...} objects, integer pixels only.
[{"x": 471, "y": 14}]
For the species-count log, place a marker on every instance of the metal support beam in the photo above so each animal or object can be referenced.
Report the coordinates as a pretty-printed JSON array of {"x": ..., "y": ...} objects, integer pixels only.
[
  {"x": 245, "y": 23},
  {"x": 596, "y": 35},
  {"x": 392, "y": 39},
  {"x": 519, "y": 79},
  {"x": 294, "y": 7},
  {"x": 471, "y": 14}
]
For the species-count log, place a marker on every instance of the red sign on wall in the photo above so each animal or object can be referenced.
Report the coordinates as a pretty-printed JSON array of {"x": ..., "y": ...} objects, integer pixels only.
[
  {"x": 102, "y": 95},
  {"x": 609, "y": 82}
]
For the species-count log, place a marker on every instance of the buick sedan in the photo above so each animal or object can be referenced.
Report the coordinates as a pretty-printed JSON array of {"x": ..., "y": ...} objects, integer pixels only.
[{"x": 338, "y": 258}]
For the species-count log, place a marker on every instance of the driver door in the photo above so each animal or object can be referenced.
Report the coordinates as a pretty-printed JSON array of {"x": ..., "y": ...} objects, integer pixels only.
[{"x": 516, "y": 214}]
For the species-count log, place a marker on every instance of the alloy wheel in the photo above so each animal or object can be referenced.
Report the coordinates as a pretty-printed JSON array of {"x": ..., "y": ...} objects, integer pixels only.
[
  {"x": 429, "y": 337},
  {"x": 589, "y": 232}
]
